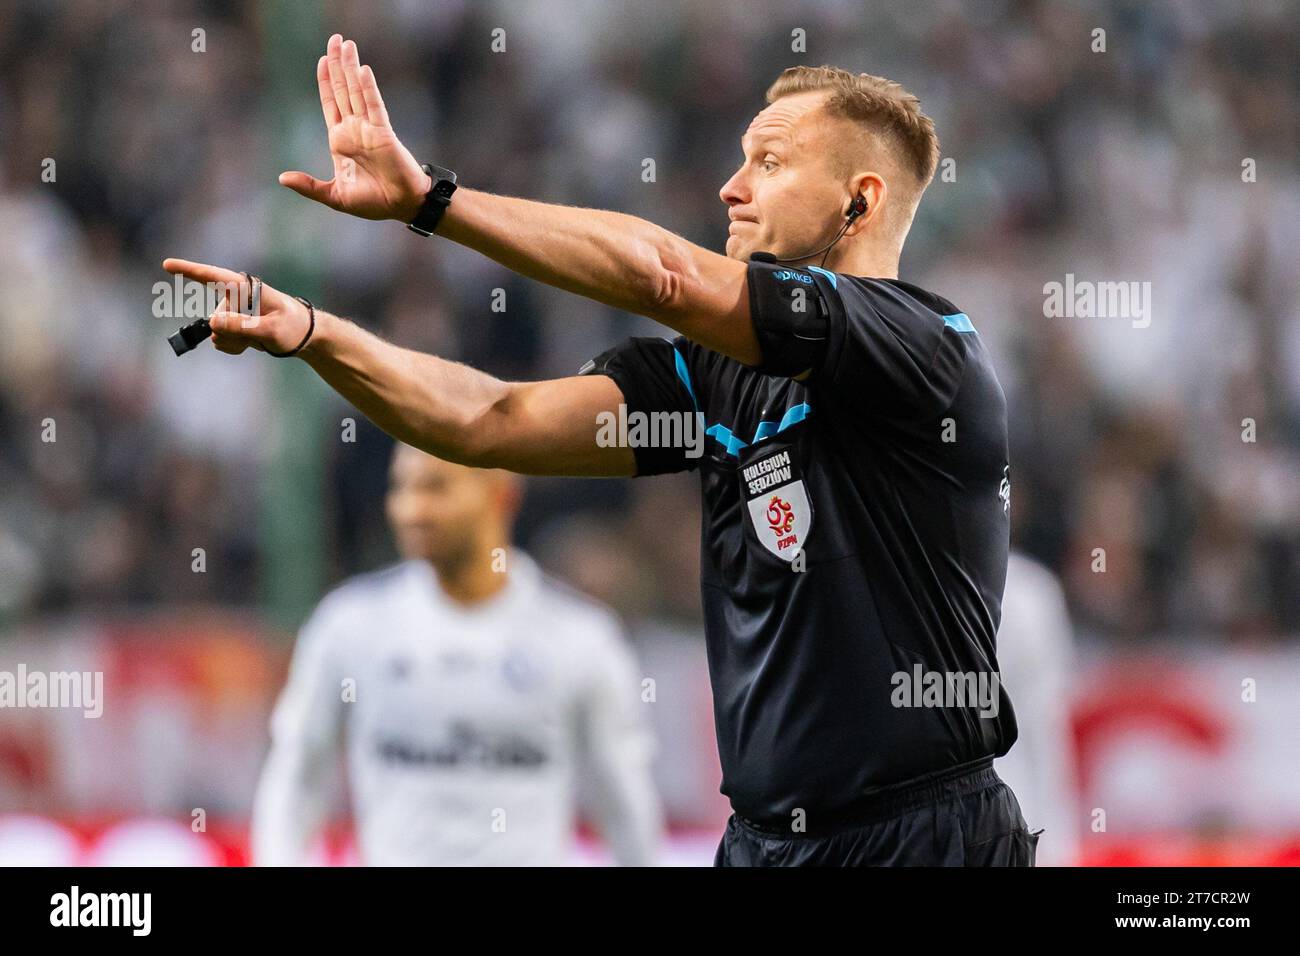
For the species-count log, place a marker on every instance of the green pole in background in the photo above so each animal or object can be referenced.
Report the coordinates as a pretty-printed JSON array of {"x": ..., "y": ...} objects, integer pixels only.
[{"x": 292, "y": 513}]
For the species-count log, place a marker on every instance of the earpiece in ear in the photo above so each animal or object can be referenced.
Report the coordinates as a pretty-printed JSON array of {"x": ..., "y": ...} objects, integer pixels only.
[{"x": 858, "y": 208}]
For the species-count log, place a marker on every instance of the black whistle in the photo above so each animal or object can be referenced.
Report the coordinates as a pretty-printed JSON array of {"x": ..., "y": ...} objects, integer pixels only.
[{"x": 187, "y": 337}]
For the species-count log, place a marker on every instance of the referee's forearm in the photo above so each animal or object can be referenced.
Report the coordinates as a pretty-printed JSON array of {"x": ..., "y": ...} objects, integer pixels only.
[
  {"x": 419, "y": 399},
  {"x": 614, "y": 258}
]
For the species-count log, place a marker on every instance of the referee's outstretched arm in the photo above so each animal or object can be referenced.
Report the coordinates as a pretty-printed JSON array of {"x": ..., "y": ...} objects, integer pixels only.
[
  {"x": 445, "y": 408},
  {"x": 551, "y": 427},
  {"x": 617, "y": 259}
]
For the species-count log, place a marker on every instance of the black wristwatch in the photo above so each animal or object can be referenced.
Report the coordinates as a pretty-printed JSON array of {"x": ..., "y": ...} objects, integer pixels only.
[{"x": 436, "y": 200}]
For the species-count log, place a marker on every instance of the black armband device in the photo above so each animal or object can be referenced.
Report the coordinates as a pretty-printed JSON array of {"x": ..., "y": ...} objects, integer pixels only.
[{"x": 790, "y": 315}]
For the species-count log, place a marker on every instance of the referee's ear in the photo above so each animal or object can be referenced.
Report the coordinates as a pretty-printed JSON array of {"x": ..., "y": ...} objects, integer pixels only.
[{"x": 872, "y": 189}]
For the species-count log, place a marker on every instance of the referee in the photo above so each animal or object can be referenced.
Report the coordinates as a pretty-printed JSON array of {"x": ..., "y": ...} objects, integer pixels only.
[{"x": 848, "y": 428}]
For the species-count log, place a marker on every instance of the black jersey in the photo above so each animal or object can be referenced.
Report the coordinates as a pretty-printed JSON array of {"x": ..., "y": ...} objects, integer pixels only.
[{"x": 854, "y": 535}]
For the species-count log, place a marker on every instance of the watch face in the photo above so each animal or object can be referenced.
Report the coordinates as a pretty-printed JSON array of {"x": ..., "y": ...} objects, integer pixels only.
[{"x": 438, "y": 174}]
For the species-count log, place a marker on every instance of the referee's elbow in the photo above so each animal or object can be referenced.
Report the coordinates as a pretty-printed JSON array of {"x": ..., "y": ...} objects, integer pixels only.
[
  {"x": 664, "y": 292},
  {"x": 664, "y": 276},
  {"x": 702, "y": 295}
]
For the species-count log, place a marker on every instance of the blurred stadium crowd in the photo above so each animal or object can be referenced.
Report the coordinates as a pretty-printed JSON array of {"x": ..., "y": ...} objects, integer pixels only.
[{"x": 1123, "y": 165}]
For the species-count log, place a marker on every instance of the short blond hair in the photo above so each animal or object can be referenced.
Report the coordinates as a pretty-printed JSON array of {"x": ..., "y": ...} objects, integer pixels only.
[{"x": 881, "y": 105}]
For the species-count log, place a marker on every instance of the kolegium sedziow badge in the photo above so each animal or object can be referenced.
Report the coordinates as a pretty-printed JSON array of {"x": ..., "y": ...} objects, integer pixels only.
[{"x": 778, "y": 501}]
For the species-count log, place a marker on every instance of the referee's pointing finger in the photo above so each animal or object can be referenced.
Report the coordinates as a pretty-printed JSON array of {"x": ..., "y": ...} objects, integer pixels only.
[{"x": 202, "y": 273}]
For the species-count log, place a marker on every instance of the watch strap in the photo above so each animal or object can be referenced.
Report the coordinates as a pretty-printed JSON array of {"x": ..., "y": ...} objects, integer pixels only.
[{"x": 436, "y": 200}]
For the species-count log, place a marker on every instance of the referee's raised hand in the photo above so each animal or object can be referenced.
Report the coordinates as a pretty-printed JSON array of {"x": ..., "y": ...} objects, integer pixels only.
[
  {"x": 274, "y": 322},
  {"x": 375, "y": 176}
]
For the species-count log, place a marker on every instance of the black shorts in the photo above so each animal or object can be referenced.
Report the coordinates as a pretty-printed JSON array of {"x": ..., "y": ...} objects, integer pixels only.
[{"x": 962, "y": 817}]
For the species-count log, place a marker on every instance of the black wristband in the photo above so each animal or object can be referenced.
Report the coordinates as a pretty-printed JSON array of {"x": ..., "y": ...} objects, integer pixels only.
[
  {"x": 311, "y": 327},
  {"x": 436, "y": 200}
]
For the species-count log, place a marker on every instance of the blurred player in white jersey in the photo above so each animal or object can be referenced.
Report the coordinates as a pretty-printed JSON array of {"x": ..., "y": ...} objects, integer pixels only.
[
  {"x": 474, "y": 694},
  {"x": 1035, "y": 657}
]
